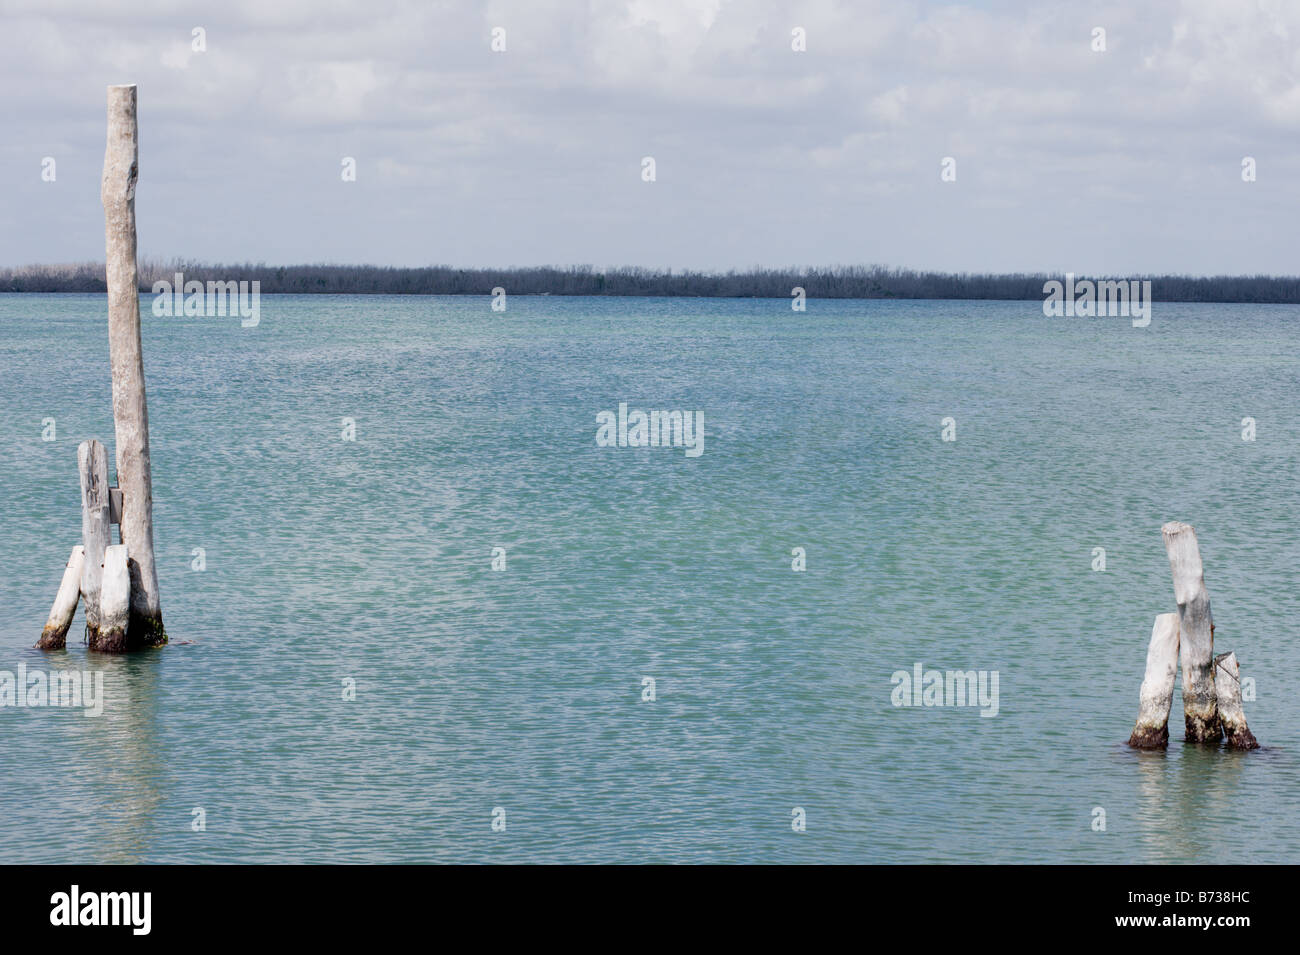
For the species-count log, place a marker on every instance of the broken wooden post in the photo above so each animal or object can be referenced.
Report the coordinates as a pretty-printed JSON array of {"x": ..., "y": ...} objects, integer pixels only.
[
  {"x": 130, "y": 412},
  {"x": 55, "y": 634},
  {"x": 1157, "y": 694},
  {"x": 96, "y": 527},
  {"x": 1227, "y": 685},
  {"x": 1196, "y": 633},
  {"x": 114, "y": 603}
]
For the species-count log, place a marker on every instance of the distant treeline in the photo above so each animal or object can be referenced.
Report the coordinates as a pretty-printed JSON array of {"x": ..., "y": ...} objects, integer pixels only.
[{"x": 851, "y": 281}]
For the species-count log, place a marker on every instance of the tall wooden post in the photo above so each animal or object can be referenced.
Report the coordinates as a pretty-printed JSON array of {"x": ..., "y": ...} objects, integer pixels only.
[
  {"x": 130, "y": 413},
  {"x": 1196, "y": 634}
]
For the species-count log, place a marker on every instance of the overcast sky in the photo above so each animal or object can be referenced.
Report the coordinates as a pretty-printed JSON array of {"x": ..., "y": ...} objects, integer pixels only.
[{"x": 1127, "y": 161}]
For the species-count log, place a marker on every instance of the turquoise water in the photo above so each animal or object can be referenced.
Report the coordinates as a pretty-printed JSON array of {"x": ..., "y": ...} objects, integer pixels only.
[{"x": 371, "y": 560}]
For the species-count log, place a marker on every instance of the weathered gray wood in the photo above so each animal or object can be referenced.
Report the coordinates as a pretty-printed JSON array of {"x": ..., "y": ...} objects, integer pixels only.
[
  {"x": 130, "y": 410},
  {"x": 115, "y": 505},
  {"x": 114, "y": 603},
  {"x": 1227, "y": 685},
  {"x": 1157, "y": 694},
  {"x": 55, "y": 633},
  {"x": 96, "y": 529},
  {"x": 1196, "y": 633}
]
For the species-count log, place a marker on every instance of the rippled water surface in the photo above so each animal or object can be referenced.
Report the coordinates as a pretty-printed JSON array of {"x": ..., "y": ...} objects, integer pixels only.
[{"x": 329, "y": 560}]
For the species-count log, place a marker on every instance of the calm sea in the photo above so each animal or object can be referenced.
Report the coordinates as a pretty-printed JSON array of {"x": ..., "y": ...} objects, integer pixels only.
[{"x": 330, "y": 563}]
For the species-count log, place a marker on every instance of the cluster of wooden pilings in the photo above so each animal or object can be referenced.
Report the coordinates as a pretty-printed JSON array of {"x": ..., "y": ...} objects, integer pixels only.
[
  {"x": 117, "y": 584},
  {"x": 1212, "y": 709}
]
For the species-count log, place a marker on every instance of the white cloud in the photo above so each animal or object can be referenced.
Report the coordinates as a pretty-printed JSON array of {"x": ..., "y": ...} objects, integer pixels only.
[{"x": 843, "y": 139}]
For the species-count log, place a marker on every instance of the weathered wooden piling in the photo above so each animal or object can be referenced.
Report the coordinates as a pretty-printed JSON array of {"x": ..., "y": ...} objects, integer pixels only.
[
  {"x": 1227, "y": 685},
  {"x": 55, "y": 634},
  {"x": 1157, "y": 694},
  {"x": 114, "y": 603},
  {"x": 130, "y": 410},
  {"x": 96, "y": 526},
  {"x": 1196, "y": 633}
]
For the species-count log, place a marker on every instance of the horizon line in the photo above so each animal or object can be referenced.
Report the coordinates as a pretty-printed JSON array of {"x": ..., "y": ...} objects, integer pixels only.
[
  {"x": 862, "y": 282},
  {"x": 151, "y": 263}
]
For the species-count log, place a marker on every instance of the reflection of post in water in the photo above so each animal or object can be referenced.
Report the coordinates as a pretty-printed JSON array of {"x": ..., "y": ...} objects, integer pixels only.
[
  {"x": 120, "y": 754},
  {"x": 1208, "y": 784},
  {"x": 1190, "y": 782},
  {"x": 1166, "y": 842}
]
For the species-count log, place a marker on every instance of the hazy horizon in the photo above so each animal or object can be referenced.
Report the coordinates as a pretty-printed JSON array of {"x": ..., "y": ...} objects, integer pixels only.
[{"x": 1067, "y": 158}]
